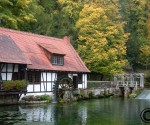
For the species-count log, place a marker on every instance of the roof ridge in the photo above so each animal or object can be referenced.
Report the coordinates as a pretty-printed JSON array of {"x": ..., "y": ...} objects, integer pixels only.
[{"x": 29, "y": 33}]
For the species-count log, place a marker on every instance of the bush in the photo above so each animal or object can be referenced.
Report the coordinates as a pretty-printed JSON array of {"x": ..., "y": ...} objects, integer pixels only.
[
  {"x": 91, "y": 95},
  {"x": 133, "y": 95},
  {"x": 45, "y": 97},
  {"x": 38, "y": 98},
  {"x": 17, "y": 85}
]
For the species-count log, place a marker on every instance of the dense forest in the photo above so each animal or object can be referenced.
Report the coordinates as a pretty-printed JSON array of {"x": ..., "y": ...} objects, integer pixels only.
[{"x": 111, "y": 36}]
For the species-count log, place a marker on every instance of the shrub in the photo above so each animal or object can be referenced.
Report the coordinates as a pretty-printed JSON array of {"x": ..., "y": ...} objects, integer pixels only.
[
  {"x": 17, "y": 85},
  {"x": 45, "y": 97},
  {"x": 133, "y": 95},
  {"x": 91, "y": 95},
  {"x": 38, "y": 98}
]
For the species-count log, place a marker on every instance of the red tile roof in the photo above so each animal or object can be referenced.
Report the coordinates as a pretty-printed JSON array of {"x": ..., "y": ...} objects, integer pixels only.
[
  {"x": 30, "y": 45},
  {"x": 10, "y": 52},
  {"x": 52, "y": 49}
]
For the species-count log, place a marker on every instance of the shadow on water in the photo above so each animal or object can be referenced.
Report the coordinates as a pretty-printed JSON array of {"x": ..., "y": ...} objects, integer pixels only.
[
  {"x": 10, "y": 115},
  {"x": 110, "y": 111}
]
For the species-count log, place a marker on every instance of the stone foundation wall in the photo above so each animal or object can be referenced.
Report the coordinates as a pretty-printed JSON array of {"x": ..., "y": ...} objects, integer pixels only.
[
  {"x": 95, "y": 93},
  {"x": 6, "y": 99}
]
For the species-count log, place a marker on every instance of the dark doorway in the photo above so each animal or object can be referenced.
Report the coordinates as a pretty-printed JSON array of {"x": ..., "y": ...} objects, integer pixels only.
[{"x": 75, "y": 81}]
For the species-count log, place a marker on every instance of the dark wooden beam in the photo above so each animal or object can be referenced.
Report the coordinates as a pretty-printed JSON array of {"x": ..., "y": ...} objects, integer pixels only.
[
  {"x": 25, "y": 73},
  {"x": 0, "y": 74}
]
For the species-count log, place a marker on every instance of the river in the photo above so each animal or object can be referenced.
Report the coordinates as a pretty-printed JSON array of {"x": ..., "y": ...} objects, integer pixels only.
[{"x": 109, "y": 111}]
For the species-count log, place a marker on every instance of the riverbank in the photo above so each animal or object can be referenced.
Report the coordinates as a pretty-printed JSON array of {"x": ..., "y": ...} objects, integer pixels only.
[
  {"x": 87, "y": 94},
  {"x": 67, "y": 96}
]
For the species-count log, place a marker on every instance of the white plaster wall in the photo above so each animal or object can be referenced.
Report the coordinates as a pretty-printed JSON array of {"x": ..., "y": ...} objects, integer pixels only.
[
  {"x": 3, "y": 76},
  {"x": 51, "y": 77},
  {"x": 9, "y": 70},
  {"x": 80, "y": 86},
  {"x": 9, "y": 76},
  {"x": 85, "y": 78},
  {"x": 4, "y": 72},
  {"x": 30, "y": 88},
  {"x": 70, "y": 76},
  {"x": 45, "y": 86},
  {"x": 36, "y": 87},
  {"x": 84, "y": 82}
]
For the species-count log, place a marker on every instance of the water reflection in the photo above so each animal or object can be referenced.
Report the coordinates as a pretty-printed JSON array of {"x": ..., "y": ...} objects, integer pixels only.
[
  {"x": 39, "y": 113},
  {"x": 65, "y": 114},
  {"x": 112, "y": 111},
  {"x": 11, "y": 116},
  {"x": 82, "y": 113}
]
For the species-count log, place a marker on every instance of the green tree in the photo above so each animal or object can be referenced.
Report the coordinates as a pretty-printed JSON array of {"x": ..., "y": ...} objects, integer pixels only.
[
  {"x": 58, "y": 18},
  {"x": 16, "y": 14},
  {"x": 45, "y": 17},
  {"x": 101, "y": 40},
  {"x": 135, "y": 14},
  {"x": 144, "y": 57}
]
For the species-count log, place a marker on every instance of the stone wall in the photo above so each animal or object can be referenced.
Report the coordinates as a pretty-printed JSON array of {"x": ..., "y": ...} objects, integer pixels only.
[
  {"x": 82, "y": 94},
  {"x": 6, "y": 99}
]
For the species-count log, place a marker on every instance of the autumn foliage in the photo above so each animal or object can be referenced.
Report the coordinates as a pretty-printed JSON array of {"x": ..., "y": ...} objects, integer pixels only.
[{"x": 108, "y": 34}]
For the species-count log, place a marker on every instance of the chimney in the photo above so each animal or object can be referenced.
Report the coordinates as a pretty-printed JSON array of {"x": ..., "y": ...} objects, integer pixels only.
[{"x": 67, "y": 39}]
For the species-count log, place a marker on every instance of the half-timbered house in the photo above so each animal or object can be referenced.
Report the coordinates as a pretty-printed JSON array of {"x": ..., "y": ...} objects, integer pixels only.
[{"x": 40, "y": 60}]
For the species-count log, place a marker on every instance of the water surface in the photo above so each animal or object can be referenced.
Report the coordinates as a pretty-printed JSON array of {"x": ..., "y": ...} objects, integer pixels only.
[{"x": 110, "y": 111}]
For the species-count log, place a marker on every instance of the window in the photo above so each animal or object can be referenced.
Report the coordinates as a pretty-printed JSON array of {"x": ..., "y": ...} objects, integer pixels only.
[
  {"x": 57, "y": 60},
  {"x": 34, "y": 77}
]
